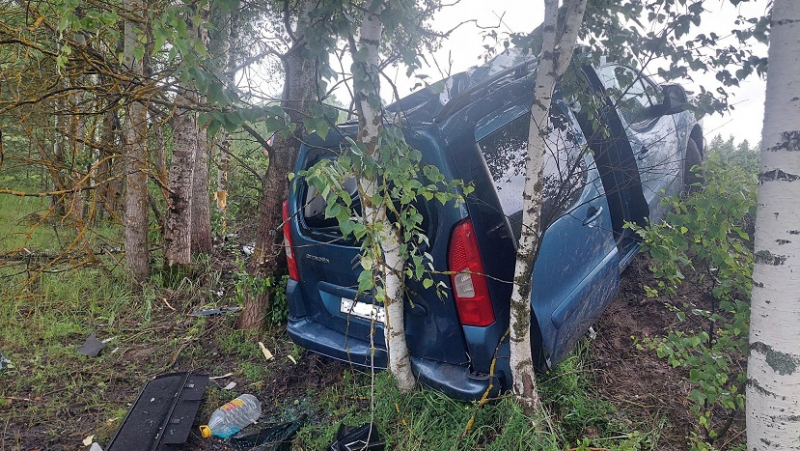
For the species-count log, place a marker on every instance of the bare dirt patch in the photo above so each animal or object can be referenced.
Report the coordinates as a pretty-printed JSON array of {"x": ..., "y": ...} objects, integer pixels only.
[{"x": 641, "y": 385}]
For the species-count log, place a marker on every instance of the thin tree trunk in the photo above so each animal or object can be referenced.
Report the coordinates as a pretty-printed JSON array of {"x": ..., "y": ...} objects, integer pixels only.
[
  {"x": 201, "y": 210},
  {"x": 178, "y": 221},
  {"x": 59, "y": 162},
  {"x": 773, "y": 371},
  {"x": 299, "y": 90},
  {"x": 367, "y": 93},
  {"x": 103, "y": 170},
  {"x": 221, "y": 195},
  {"x": 110, "y": 170},
  {"x": 555, "y": 57},
  {"x": 137, "y": 255},
  {"x": 160, "y": 154},
  {"x": 76, "y": 132}
]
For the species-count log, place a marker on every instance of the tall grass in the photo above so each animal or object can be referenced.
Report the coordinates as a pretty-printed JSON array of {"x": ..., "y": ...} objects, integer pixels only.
[{"x": 425, "y": 419}]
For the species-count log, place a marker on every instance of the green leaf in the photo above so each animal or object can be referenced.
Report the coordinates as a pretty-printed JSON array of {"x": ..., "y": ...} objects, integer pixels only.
[
  {"x": 365, "y": 281},
  {"x": 213, "y": 127}
]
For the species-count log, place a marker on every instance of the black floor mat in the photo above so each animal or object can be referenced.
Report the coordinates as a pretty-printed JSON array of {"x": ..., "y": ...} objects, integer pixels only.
[{"x": 162, "y": 415}]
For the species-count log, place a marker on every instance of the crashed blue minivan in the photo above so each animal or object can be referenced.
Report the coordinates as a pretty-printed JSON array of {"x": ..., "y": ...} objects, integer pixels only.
[{"x": 619, "y": 143}]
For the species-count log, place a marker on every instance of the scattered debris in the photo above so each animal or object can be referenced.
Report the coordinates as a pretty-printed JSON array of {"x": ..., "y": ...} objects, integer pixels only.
[
  {"x": 162, "y": 414},
  {"x": 267, "y": 355},
  {"x": 4, "y": 362},
  {"x": 363, "y": 437},
  {"x": 220, "y": 377},
  {"x": 232, "y": 417},
  {"x": 215, "y": 311},
  {"x": 275, "y": 438},
  {"x": 292, "y": 359},
  {"x": 92, "y": 346},
  {"x": 168, "y": 304},
  {"x": 231, "y": 385},
  {"x": 95, "y": 447},
  {"x": 17, "y": 398},
  {"x": 88, "y": 440},
  {"x": 248, "y": 249}
]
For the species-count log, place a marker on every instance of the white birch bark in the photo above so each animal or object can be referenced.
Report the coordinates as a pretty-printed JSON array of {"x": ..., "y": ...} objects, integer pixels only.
[
  {"x": 555, "y": 57},
  {"x": 393, "y": 263},
  {"x": 773, "y": 371}
]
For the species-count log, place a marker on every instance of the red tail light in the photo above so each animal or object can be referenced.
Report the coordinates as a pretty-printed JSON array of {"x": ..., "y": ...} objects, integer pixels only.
[
  {"x": 294, "y": 273},
  {"x": 469, "y": 283}
]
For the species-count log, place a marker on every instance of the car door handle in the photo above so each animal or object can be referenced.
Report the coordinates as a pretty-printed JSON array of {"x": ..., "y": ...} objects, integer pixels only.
[{"x": 592, "y": 215}]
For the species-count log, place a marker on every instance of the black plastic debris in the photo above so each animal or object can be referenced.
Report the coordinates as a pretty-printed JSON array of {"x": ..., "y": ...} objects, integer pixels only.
[
  {"x": 162, "y": 416},
  {"x": 361, "y": 438},
  {"x": 275, "y": 438},
  {"x": 92, "y": 346}
]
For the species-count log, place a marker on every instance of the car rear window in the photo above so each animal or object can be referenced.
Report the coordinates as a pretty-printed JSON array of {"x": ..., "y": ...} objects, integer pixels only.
[
  {"x": 312, "y": 205},
  {"x": 564, "y": 166}
]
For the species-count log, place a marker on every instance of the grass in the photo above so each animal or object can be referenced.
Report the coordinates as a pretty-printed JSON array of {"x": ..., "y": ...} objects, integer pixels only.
[
  {"x": 53, "y": 397},
  {"x": 425, "y": 419}
]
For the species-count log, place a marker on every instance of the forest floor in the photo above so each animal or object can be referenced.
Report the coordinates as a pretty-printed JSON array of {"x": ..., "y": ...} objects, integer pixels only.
[{"x": 53, "y": 399}]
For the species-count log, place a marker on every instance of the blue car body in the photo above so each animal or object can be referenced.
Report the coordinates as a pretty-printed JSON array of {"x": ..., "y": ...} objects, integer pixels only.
[{"x": 620, "y": 167}]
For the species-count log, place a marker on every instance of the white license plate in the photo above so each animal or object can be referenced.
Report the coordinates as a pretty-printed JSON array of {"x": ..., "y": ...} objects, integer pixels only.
[{"x": 363, "y": 310}]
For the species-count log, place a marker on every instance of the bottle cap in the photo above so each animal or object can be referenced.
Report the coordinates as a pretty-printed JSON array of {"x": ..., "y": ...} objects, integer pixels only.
[{"x": 205, "y": 431}]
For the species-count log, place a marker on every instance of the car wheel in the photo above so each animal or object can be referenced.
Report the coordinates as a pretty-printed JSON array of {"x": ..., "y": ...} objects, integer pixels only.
[{"x": 692, "y": 179}]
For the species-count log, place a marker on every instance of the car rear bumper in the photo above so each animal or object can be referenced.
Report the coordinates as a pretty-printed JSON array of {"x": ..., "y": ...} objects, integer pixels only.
[{"x": 455, "y": 381}]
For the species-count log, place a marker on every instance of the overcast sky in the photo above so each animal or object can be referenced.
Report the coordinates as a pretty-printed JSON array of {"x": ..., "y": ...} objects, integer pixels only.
[{"x": 465, "y": 47}]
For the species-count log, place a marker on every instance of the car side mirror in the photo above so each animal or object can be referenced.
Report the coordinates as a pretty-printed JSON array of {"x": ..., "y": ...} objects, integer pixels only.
[{"x": 675, "y": 99}]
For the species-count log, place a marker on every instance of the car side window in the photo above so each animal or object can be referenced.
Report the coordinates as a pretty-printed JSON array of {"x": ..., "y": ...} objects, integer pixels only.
[
  {"x": 504, "y": 151},
  {"x": 631, "y": 92}
]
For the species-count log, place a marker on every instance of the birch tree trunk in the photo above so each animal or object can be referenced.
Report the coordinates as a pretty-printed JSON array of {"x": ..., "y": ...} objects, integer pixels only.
[
  {"x": 555, "y": 57},
  {"x": 178, "y": 221},
  {"x": 299, "y": 90},
  {"x": 57, "y": 167},
  {"x": 103, "y": 168},
  {"x": 201, "y": 204},
  {"x": 221, "y": 195},
  {"x": 370, "y": 121},
  {"x": 76, "y": 136},
  {"x": 137, "y": 256},
  {"x": 773, "y": 371},
  {"x": 201, "y": 209}
]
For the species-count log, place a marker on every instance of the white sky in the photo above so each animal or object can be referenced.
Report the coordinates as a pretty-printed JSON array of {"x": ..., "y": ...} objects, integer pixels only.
[{"x": 465, "y": 46}]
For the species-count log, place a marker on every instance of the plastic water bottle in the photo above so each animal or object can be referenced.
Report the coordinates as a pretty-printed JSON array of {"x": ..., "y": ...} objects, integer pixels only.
[{"x": 232, "y": 417}]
